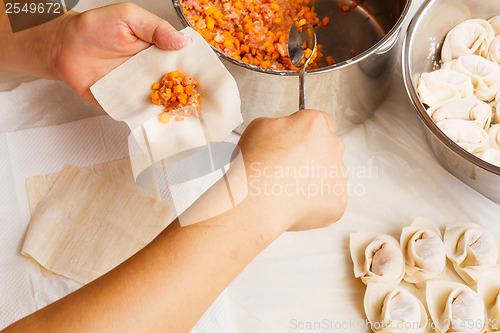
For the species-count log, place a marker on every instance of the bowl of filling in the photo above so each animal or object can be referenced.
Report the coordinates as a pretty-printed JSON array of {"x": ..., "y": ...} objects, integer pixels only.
[
  {"x": 451, "y": 69},
  {"x": 350, "y": 73}
]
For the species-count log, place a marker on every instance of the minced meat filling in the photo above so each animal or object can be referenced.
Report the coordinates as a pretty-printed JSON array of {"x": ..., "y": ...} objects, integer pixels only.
[{"x": 179, "y": 96}]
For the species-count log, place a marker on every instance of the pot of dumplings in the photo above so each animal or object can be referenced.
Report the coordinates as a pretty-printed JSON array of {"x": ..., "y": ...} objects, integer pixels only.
[
  {"x": 451, "y": 69},
  {"x": 352, "y": 70}
]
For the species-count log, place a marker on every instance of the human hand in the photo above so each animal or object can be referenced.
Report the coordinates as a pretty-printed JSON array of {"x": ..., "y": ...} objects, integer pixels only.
[
  {"x": 295, "y": 169},
  {"x": 93, "y": 43}
]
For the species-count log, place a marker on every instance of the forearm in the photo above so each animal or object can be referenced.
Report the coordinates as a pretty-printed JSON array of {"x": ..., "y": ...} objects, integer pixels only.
[
  {"x": 168, "y": 285},
  {"x": 32, "y": 51}
]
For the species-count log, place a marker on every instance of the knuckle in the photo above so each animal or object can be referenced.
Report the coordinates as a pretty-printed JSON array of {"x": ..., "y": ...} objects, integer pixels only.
[
  {"x": 341, "y": 144},
  {"x": 258, "y": 122},
  {"x": 342, "y": 205},
  {"x": 257, "y": 125},
  {"x": 126, "y": 8},
  {"x": 345, "y": 171},
  {"x": 314, "y": 114},
  {"x": 329, "y": 222},
  {"x": 254, "y": 123},
  {"x": 307, "y": 114}
]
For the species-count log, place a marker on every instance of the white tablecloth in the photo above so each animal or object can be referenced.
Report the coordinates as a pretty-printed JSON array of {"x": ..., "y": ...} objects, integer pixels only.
[{"x": 303, "y": 281}]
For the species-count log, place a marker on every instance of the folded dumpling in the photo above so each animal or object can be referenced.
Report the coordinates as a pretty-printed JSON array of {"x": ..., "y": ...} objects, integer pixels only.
[
  {"x": 391, "y": 308},
  {"x": 494, "y": 136},
  {"x": 376, "y": 258},
  {"x": 470, "y": 108},
  {"x": 489, "y": 290},
  {"x": 470, "y": 137},
  {"x": 424, "y": 252},
  {"x": 454, "y": 307},
  {"x": 494, "y": 50},
  {"x": 438, "y": 87},
  {"x": 490, "y": 155},
  {"x": 473, "y": 251},
  {"x": 469, "y": 37},
  {"x": 485, "y": 74},
  {"x": 495, "y": 104},
  {"x": 497, "y": 109},
  {"x": 495, "y": 24}
]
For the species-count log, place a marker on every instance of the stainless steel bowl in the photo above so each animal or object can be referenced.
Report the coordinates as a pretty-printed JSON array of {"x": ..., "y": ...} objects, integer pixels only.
[
  {"x": 421, "y": 51},
  {"x": 349, "y": 90}
]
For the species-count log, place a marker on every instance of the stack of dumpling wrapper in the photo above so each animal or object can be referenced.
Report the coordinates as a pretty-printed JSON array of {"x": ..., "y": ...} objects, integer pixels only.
[
  {"x": 420, "y": 258},
  {"x": 463, "y": 95},
  {"x": 86, "y": 221}
]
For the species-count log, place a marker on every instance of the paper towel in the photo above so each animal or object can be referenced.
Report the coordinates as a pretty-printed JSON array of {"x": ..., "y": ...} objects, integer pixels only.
[
  {"x": 45, "y": 150},
  {"x": 28, "y": 106}
]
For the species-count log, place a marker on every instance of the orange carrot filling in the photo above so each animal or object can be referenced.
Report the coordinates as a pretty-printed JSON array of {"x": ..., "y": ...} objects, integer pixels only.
[
  {"x": 253, "y": 31},
  {"x": 179, "y": 96}
]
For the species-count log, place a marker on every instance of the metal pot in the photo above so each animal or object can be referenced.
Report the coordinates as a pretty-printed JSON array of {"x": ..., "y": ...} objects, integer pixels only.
[
  {"x": 349, "y": 90},
  {"x": 421, "y": 51}
]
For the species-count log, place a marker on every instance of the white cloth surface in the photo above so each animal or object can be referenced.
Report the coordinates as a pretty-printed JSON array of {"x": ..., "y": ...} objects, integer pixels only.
[
  {"x": 303, "y": 278},
  {"x": 307, "y": 277}
]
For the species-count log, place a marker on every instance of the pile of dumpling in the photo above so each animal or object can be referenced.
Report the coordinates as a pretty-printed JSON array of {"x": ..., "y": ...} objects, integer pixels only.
[
  {"x": 463, "y": 95},
  {"x": 420, "y": 258}
]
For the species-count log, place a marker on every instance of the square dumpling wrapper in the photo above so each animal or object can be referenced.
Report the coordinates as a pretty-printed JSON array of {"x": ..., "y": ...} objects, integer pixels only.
[{"x": 125, "y": 95}]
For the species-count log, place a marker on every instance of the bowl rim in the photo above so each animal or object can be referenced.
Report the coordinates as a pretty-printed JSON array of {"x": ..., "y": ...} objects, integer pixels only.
[
  {"x": 392, "y": 33},
  {"x": 418, "y": 105}
]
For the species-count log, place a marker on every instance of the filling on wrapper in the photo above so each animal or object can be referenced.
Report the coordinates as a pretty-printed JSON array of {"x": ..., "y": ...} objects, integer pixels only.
[
  {"x": 179, "y": 96},
  {"x": 391, "y": 308},
  {"x": 254, "y": 32},
  {"x": 462, "y": 96},
  {"x": 454, "y": 307}
]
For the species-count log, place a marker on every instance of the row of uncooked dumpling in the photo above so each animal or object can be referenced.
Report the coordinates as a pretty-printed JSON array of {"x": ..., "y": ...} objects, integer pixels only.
[
  {"x": 462, "y": 96},
  {"x": 381, "y": 263},
  {"x": 453, "y": 307}
]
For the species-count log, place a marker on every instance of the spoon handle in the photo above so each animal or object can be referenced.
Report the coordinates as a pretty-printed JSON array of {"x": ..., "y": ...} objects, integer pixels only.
[{"x": 302, "y": 89}]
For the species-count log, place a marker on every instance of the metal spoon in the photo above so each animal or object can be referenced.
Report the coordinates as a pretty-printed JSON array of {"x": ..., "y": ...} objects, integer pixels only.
[{"x": 296, "y": 37}]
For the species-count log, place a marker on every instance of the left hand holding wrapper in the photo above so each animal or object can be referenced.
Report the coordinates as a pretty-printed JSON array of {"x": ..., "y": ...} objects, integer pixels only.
[{"x": 95, "y": 42}]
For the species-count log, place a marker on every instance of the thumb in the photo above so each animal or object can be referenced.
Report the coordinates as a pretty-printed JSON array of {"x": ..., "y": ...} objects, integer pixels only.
[
  {"x": 167, "y": 37},
  {"x": 153, "y": 29}
]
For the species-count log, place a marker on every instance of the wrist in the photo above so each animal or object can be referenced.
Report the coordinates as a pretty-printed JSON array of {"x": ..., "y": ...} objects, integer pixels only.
[
  {"x": 50, "y": 39},
  {"x": 233, "y": 201},
  {"x": 268, "y": 216},
  {"x": 269, "y": 213},
  {"x": 33, "y": 51}
]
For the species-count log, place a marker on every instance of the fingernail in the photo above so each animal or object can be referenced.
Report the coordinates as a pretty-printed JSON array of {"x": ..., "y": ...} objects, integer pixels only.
[{"x": 180, "y": 40}]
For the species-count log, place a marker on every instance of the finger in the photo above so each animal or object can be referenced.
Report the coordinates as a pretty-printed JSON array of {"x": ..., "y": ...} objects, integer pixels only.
[
  {"x": 306, "y": 115},
  {"x": 167, "y": 38},
  {"x": 330, "y": 123},
  {"x": 153, "y": 29}
]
